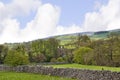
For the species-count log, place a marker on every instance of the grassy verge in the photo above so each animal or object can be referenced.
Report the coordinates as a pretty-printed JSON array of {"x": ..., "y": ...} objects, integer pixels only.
[
  {"x": 28, "y": 76},
  {"x": 79, "y": 66}
]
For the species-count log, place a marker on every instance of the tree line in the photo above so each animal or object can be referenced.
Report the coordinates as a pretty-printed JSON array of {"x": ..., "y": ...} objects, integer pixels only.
[{"x": 105, "y": 52}]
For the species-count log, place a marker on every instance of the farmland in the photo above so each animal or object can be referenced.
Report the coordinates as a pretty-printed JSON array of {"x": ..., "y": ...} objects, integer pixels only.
[
  {"x": 90, "y": 67},
  {"x": 28, "y": 76}
]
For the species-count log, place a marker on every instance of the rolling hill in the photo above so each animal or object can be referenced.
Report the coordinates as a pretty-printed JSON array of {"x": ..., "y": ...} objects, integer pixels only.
[
  {"x": 93, "y": 35},
  {"x": 68, "y": 38}
]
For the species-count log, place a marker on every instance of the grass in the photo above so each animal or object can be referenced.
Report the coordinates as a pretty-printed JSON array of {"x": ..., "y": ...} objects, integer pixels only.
[
  {"x": 90, "y": 67},
  {"x": 28, "y": 76}
]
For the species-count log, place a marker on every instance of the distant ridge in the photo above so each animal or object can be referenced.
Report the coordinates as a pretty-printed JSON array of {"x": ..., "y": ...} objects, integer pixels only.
[{"x": 67, "y": 37}]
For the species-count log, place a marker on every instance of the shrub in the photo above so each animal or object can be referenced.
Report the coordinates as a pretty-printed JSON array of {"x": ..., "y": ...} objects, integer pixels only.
[
  {"x": 60, "y": 59},
  {"x": 82, "y": 54},
  {"x": 53, "y": 60},
  {"x": 15, "y": 58}
]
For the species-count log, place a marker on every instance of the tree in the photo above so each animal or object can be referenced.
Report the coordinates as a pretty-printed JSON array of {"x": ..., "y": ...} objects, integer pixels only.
[
  {"x": 114, "y": 48},
  {"x": 3, "y": 53},
  {"x": 68, "y": 57},
  {"x": 82, "y": 40},
  {"x": 101, "y": 53},
  {"x": 15, "y": 58},
  {"x": 79, "y": 54},
  {"x": 51, "y": 48},
  {"x": 40, "y": 58},
  {"x": 113, "y": 38}
]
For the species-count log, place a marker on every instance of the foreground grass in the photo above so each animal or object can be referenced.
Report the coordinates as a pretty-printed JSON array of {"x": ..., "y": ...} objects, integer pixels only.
[
  {"x": 28, "y": 76},
  {"x": 79, "y": 66}
]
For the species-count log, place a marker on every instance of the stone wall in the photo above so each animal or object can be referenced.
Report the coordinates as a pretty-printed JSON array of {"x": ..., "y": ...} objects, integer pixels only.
[{"x": 66, "y": 72}]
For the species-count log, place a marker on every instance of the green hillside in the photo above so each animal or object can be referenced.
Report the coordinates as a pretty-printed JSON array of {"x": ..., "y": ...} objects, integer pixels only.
[
  {"x": 70, "y": 38},
  {"x": 66, "y": 39}
]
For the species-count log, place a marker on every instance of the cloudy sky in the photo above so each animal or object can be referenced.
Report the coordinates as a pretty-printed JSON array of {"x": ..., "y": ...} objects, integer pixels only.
[{"x": 26, "y": 20}]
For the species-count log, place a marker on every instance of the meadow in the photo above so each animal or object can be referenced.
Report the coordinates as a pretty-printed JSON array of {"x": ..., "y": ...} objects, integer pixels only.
[
  {"x": 28, "y": 76},
  {"x": 90, "y": 67}
]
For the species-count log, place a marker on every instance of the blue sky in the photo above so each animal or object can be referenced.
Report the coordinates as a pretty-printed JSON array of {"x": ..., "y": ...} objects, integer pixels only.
[
  {"x": 5, "y": 1},
  {"x": 73, "y": 11},
  {"x": 26, "y": 20}
]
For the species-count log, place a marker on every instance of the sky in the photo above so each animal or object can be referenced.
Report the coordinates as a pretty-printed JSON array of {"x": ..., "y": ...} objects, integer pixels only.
[{"x": 26, "y": 20}]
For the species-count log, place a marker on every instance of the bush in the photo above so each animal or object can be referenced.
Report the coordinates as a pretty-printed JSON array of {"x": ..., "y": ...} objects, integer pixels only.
[
  {"x": 83, "y": 55},
  {"x": 60, "y": 59},
  {"x": 53, "y": 60},
  {"x": 15, "y": 58}
]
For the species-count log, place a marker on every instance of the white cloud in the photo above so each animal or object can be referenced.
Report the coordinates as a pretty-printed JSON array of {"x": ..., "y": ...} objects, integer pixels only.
[
  {"x": 107, "y": 18},
  {"x": 45, "y": 22},
  {"x": 18, "y": 8},
  {"x": 10, "y": 30},
  {"x": 43, "y": 25}
]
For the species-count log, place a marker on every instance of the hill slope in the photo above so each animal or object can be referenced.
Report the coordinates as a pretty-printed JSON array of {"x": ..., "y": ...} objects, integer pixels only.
[
  {"x": 68, "y": 38},
  {"x": 93, "y": 35}
]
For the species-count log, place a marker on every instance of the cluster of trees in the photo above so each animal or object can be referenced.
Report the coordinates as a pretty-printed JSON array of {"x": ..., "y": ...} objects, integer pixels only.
[
  {"x": 86, "y": 51},
  {"x": 15, "y": 58},
  {"x": 42, "y": 50},
  {"x": 30, "y": 52},
  {"x": 104, "y": 52}
]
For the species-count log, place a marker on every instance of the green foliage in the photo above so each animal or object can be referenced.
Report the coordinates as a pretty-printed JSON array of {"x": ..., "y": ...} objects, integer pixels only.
[
  {"x": 47, "y": 47},
  {"x": 81, "y": 53},
  {"x": 107, "y": 52},
  {"x": 53, "y": 60},
  {"x": 51, "y": 47},
  {"x": 3, "y": 53},
  {"x": 82, "y": 41},
  {"x": 60, "y": 59},
  {"x": 28, "y": 76},
  {"x": 15, "y": 58},
  {"x": 104, "y": 48},
  {"x": 40, "y": 58},
  {"x": 68, "y": 58}
]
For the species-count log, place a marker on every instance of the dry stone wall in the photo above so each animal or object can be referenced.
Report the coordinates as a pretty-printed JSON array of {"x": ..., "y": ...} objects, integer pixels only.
[{"x": 65, "y": 72}]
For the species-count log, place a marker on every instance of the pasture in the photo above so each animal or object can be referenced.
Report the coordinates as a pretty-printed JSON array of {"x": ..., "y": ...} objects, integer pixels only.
[
  {"x": 90, "y": 67},
  {"x": 28, "y": 76}
]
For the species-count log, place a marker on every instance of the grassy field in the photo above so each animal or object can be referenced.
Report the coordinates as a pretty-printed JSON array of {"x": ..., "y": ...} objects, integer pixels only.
[
  {"x": 79, "y": 66},
  {"x": 28, "y": 76}
]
